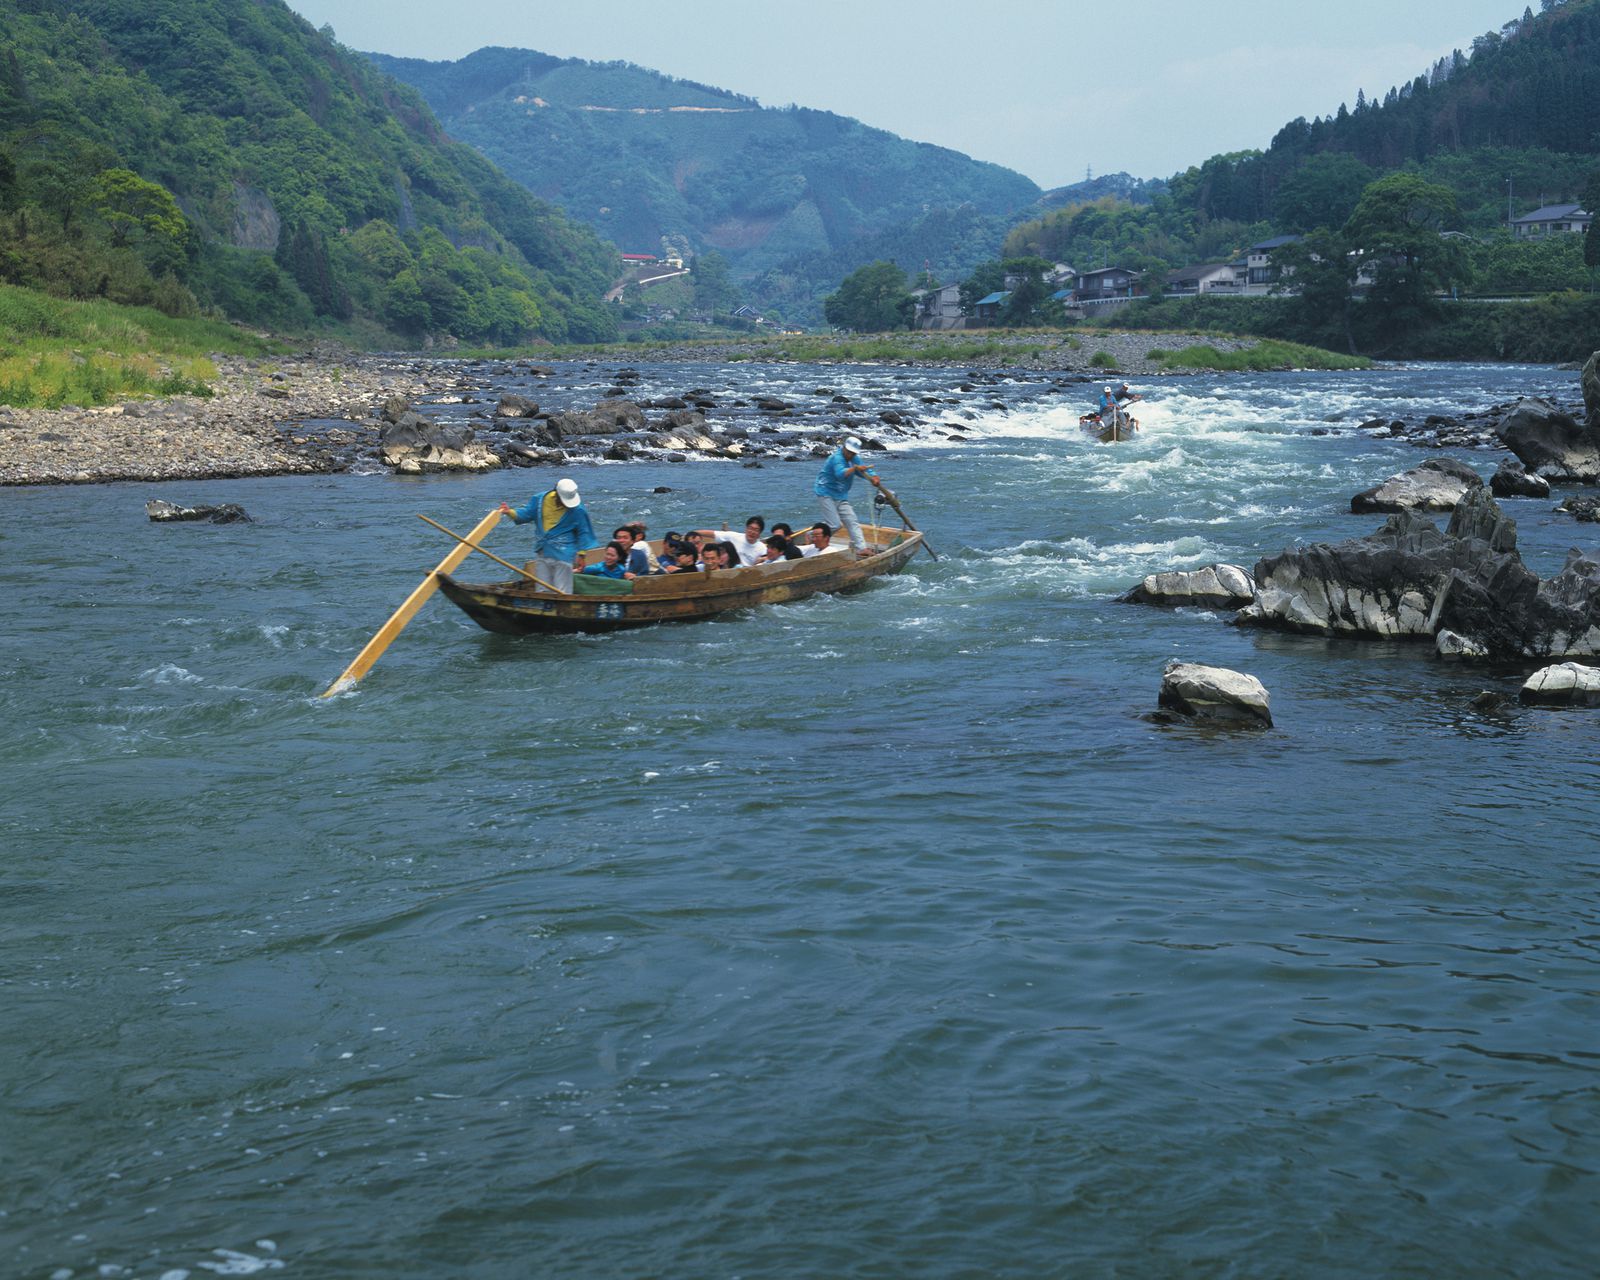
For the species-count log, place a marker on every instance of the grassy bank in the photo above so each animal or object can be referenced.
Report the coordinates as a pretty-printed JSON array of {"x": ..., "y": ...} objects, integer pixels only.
[
  {"x": 55, "y": 352},
  {"x": 1264, "y": 356}
]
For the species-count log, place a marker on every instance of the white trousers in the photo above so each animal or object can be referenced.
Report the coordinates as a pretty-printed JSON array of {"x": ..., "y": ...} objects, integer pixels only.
[{"x": 839, "y": 512}]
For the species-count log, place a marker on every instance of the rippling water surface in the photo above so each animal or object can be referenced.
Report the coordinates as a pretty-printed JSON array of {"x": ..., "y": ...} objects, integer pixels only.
[{"x": 866, "y": 936}]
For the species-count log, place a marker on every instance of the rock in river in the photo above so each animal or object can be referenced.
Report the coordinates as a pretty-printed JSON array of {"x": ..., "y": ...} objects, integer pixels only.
[
  {"x": 1437, "y": 485},
  {"x": 224, "y": 513},
  {"x": 1512, "y": 480},
  {"x": 1215, "y": 694},
  {"x": 415, "y": 444},
  {"x": 1410, "y": 579},
  {"x": 1567, "y": 684},
  {"x": 1550, "y": 442},
  {"x": 1217, "y": 586}
]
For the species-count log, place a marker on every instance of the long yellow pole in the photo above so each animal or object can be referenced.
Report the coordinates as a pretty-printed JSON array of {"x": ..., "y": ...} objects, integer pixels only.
[
  {"x": 413, "y": 602},
  {"x": 473, "y": 546}
]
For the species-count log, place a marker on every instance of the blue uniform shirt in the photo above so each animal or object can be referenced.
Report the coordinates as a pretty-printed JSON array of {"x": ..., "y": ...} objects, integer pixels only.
[
  {"x": 831, "y": 480},
  {"x": 569, "y": 535}
]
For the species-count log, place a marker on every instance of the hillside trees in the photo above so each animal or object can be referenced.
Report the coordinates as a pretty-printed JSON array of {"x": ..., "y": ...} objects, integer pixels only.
[
  {"x": 872, "y": 299},
  {"x": 1396, "y": 226}
]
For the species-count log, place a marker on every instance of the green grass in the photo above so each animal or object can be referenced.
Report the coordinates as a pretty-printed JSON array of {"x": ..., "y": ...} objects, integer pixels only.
[
  {"x": 1103, "y": 360},
  {"x": 1266, "y": 355},
  {"x": 55, "y": 352}
]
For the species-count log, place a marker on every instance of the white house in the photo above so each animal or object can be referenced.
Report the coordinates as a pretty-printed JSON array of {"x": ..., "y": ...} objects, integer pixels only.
[{"x": 1553, "y": 219}]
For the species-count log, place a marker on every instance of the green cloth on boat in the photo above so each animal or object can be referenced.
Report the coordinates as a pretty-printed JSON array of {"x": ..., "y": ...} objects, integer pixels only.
[{"x": 590, "y": 584}]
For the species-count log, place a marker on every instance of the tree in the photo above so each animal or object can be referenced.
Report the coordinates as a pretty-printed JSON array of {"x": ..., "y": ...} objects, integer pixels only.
[
  {"x": 1589, "y": 197},
  {"x": 1322, "y": 192},
  {"x": 1318, "y": 272},
  {"x": 1395, "y": 227},
  {"x": 713, "y": 290},
  {"x": 143, "y": 215},
  {"x": 872, "y": 299}
]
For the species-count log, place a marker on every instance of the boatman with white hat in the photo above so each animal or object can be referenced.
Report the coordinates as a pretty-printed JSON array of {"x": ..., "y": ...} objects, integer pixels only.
[
  {"x": 563, "y": 528},
  {"x": 833, "y": 490}
]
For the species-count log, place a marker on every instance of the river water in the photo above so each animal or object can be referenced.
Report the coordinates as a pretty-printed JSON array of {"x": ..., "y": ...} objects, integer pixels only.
[{"x": 869, "y": 936}]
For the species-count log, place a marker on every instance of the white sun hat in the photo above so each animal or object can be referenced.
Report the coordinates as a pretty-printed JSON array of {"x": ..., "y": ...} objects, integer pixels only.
[
  {"x": 852, "y": 444},
  {"x": 567, "y": 491}
]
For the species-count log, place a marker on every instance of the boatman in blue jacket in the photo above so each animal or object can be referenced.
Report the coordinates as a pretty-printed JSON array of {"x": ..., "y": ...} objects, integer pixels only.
[
  {"x": 563, "y": 528},
  {"x": 833, "y": 490}
]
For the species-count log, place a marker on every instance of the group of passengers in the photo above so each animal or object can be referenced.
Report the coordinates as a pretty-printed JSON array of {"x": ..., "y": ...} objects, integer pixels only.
[
  {"x": 564, "y": 531},
  {"x": 628, "y": 554}
]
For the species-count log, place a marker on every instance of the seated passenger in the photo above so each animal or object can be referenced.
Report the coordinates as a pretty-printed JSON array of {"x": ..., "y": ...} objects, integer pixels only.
[
  {"x": 732, "y": 557},
  {"x": 635, "y": 558},
  {"x": 779, "y": 547},
  {"x": 679, "y": 557},
  {"x": 747, "y": 546},
  {"x": 783, "y": 529},
  {"x": 711, "y": 557},
  {"x": 610, "y": 565},
  {"x": 821, "y": 540}
]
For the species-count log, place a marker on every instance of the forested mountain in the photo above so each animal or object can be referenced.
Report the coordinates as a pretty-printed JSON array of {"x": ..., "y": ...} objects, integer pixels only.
[
  {"x": 786, "y": 195},
  {"x": 1513, "y": 121},
  {"x": 225, "y": 152}
]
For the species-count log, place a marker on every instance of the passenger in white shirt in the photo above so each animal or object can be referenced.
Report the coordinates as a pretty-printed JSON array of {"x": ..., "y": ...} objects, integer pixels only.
[
  {"x": 821, "y": 540},
  {"x": 748, "y": 544}
]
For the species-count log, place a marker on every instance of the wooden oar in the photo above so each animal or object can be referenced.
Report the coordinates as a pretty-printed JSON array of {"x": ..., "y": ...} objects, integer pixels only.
[
  {"x": 475, "y": 547},
  {"x": 888, "y": 496},
  {"x": 397, "y": 621}
]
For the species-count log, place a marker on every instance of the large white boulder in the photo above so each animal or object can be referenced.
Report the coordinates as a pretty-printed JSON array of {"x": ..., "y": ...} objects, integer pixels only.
[
  {"x": 1566, "y": 684},
  {"x": 1215, "y": 694}
]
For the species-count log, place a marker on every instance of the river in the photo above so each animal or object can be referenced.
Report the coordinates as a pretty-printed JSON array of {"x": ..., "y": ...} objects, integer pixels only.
[{"x": 868, "y": 936}]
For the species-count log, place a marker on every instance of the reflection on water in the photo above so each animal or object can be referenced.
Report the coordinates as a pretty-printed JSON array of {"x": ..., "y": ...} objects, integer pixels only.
[{"x": 868, "y": 935}]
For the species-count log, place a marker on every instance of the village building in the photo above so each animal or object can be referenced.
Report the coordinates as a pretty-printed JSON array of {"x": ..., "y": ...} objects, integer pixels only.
[
  {"x": 940, "y": 308},
  {"x": 1552, "y": 220}
]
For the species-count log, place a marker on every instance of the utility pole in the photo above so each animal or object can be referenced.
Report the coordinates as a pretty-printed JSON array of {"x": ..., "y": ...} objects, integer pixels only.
[{"x": 1509, "y": 213}]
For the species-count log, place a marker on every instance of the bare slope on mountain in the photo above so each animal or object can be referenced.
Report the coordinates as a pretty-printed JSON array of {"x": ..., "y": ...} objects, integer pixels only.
[{"x": 640, "y": 156}]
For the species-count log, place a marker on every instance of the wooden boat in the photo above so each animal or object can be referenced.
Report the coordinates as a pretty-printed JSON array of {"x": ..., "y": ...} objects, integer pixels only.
[
  {"x": 520, "y": 607},
  {"x": 1121, "y": 427}
]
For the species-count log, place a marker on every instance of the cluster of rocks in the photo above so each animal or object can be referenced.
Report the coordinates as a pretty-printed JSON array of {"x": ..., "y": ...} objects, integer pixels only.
[{"x": 1553, "y": 437}]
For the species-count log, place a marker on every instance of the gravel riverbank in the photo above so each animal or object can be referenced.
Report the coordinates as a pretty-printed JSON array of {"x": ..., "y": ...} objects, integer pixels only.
[{"x": 324, "y": 411}]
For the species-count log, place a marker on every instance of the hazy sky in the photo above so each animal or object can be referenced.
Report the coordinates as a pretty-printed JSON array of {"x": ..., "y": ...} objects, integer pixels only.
[{"x": 1047, "y": 87}]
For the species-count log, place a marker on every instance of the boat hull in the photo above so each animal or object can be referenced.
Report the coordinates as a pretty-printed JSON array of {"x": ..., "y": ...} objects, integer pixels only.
[{"x": 521, "y": 608}]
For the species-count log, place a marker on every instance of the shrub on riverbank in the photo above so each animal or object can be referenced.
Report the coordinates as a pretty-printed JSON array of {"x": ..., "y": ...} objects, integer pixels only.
[{"x": 55, "y": 352}]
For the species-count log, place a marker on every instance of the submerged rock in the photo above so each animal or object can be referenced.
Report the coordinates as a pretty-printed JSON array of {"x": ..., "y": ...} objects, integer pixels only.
[
  {"x": 1437, "y": 485},
  {"x": 1215, "y": 694},
  {"x": 223, "y": 513},
  {"x": 1217, "y": 586},
  {"x": 1567, "y": 684}
]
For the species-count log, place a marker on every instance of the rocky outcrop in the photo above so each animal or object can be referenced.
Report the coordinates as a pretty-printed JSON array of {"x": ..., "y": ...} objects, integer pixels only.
[
  {"x": 1215, "y": 695},
  {"x": 515, "y": 406},
  {"x": 1217, "y": 586},
  {"x": 223, "y": 513},
  {"x": 1437, "y": 485},
  {"x": 1589, "y": 381},
  {"x": 1580, "y": 507},
  {"x": 1512, "y": 480},
  {"x": 1552, "y": 443},
  {"x": 414, "y": 445},
  {"x": 1465, "y": 587},
  {"x": 1567, "y": 684}
]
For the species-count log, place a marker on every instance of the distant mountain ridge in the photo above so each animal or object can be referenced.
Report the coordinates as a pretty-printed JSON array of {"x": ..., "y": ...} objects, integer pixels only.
[{"x": 641, "y": 156}]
